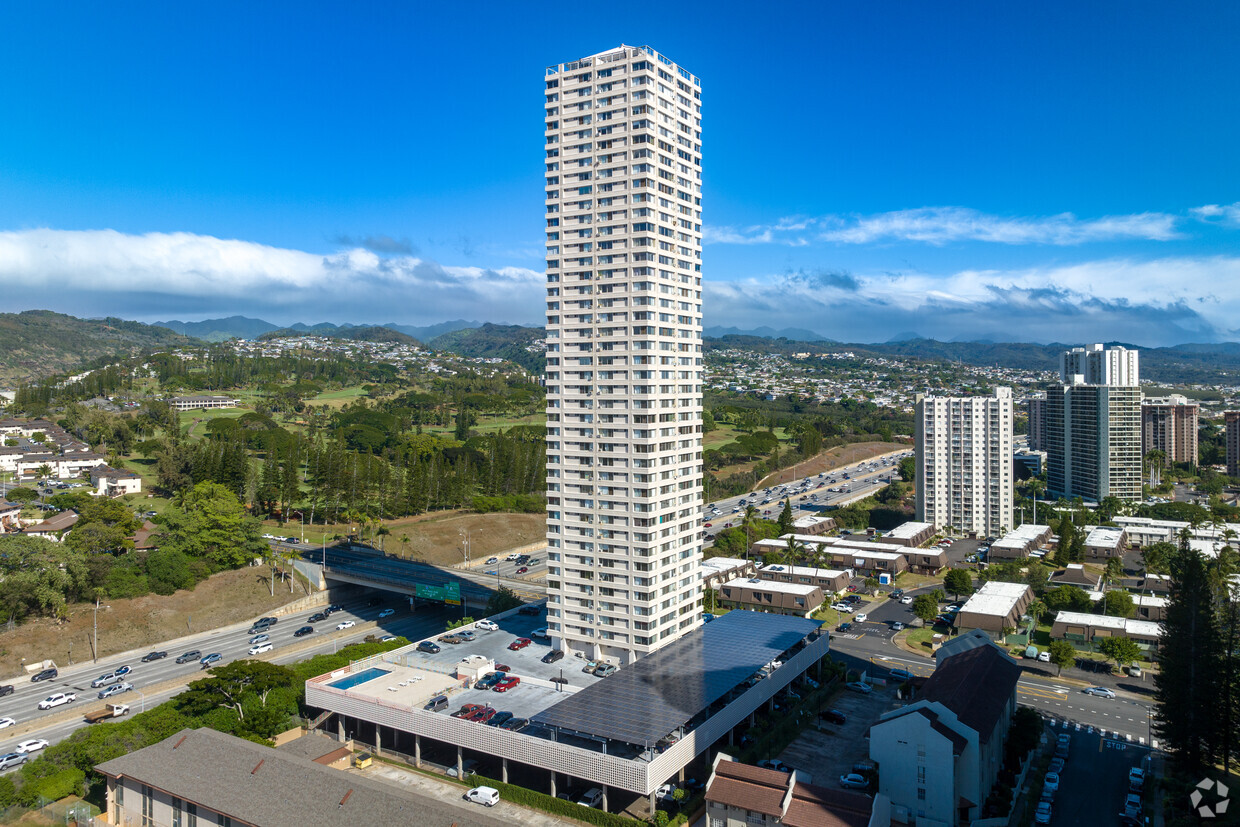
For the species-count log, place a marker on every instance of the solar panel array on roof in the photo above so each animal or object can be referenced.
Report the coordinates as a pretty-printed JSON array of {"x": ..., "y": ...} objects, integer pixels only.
[{"x": 644, "y": 702}]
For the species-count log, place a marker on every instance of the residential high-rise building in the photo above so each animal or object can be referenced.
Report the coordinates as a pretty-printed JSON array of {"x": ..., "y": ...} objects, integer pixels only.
[
  {"x": 1037, "y": 422},
  {"x": 624, "y": 352},
  {"x": 1098, "y": 365},
  {"x": 1093, "y": 426},
  {"x": 1231, "y": 420},
  {"x": 1169, "y": 424},
  {"x": 964, "y": 462}
]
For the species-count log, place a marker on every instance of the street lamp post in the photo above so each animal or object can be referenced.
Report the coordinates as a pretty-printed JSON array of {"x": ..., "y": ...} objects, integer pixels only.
[{"x": 96, "y": 644}]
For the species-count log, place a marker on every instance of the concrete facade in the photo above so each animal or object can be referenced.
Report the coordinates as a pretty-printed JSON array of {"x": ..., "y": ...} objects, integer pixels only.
[
  {"x": 622, "y": 137},
  {"x": 964, "y": 452},
  {"x": 1170, "y": 425}
]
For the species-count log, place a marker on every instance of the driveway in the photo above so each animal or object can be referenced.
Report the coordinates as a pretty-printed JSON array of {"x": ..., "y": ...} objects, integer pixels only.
[{"x": 829, "y": 751}]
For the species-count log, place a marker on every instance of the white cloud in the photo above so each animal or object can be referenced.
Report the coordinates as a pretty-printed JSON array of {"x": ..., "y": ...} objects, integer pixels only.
[
  {"x": 1162, "y": 301},
  {"x": 1225, "y": 214},
  {"x": 181, "y": 272},
  {"x": 942, "y": 225}
]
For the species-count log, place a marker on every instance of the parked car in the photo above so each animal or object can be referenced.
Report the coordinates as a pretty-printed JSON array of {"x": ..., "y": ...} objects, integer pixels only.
[
  {"x": 515, "y": 724},
  {"x": 1100, "y": 691},
  {"x": 553, "y": 656},
  {"x": 907, "y": 600},
  {"x": 1136, "y": 779},
  {"x": 1051, "y": 781},
  {"x": 486, "y": 796},
  {"x": 192, "y": 654},
  {"x": 303, "y": 631},
  {"x": 466, "y": 709},
  {"x": 540, "y": 634},
  {"x": 592, "y": 798},
  {"x": 45, "y": 675},
  {"x": 1044, "y": 657},
  {"x": 853, "y": 781},
  {"x": 843, "y": 627},
  {"x": 57, "y": 699},
  {"x": 606, "y": 670},
  {"x": 901, "y": 675},
  {"x": 1042, "y": 815},
  {"x": 775, "y": 764},
  {"x": 429, "y": 647},
  {"x": 834, "y": 716},
  {"x": 1056, "y": 765},
  {"x": 153, "y": 656},
  {"x": 897, "y": 626},
  {"x": 499, "y": 719},
  {"x": 469, "y": 766},
  {"x": 489, "y": 680},
  {"x": 861, "y": 618},
  {"x": 529, "y": 609},
  {"x": 860, "y": 686},
  {"x": 519, "y": 643},
  {"x": 487, "y": 625},
  {"x": 466, "y": 635},
  {"x": 507, "y": 683}
]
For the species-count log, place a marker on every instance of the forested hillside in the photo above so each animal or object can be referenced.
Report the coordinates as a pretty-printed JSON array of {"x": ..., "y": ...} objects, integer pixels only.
[
  {"x": 38, "y": 343},
  {"x": 511, "y": 342}
]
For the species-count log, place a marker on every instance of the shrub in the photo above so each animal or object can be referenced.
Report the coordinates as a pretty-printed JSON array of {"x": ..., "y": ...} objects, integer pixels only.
[{"x": 55, "y": 787}]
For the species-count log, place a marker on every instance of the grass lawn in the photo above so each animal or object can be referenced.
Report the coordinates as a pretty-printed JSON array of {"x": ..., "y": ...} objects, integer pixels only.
[
  {"x": 338, "y": 398},
  {"x": 921, "y": 638}
]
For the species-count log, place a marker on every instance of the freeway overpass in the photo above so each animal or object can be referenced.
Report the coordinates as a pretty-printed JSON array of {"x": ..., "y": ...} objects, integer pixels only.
[{"x": 364, "y": 566}]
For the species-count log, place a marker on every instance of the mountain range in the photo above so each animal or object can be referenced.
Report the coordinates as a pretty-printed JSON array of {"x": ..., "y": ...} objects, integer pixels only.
[{"x": 243, "y": 327}]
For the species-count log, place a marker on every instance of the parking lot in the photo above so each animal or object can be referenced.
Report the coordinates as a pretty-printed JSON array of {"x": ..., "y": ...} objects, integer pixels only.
[
  {"x": 831, "y": 750},
  {"x": 536, "y": 691}
]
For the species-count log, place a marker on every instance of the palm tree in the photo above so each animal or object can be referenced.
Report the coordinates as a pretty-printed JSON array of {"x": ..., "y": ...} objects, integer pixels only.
[
  {"x": 1036, "y": 609},
  {"x": 1154, "y": 461}
]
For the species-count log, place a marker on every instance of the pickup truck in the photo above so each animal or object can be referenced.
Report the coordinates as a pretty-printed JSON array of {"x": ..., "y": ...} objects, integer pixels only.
[{"x": 109, "y": 711}]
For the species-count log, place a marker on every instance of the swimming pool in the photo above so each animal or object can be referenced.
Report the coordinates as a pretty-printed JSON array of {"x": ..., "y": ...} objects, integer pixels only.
[{"x": 360, "y": 678}]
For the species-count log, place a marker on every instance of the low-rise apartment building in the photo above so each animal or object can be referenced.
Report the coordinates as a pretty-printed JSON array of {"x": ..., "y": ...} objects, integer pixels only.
[
  {"x": 912, "y": 533},
  {"x": 760, "y": 595},
  {"x": 742, "y": 795},
  {"x": 995, "y": 607},
  {"x": 831, "y": 581},
  {"x": 1103, "y": 543},
  {"x": 1016, "y": 544},
  {"x": 1083, "y": 629},
  {"x": 718, "y": 570}
]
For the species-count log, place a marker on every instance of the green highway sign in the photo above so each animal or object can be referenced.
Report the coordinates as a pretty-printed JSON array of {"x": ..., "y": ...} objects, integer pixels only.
[{"x": 447, "y": 593}]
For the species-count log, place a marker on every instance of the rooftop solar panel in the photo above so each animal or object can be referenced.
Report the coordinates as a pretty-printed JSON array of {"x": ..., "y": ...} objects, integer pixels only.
[{"x": 644, "y": 702}]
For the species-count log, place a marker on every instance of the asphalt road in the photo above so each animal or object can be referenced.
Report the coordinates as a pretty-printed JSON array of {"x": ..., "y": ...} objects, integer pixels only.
[
  {"x": 1128, "y": 714},
  {"x": 865, "y": 478},
  {"x": 232, "y": 642}
]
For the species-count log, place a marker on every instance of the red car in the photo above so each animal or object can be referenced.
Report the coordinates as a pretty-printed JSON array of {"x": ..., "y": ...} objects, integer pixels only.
[
  {"x": 708, "y": 525},
  {"x": 502, "y": 667},
  {"x": 507, "y": 683},
  {"x": 523, "y": 570},
  {"x": 483, "y": 715},
  {"x": 520, "y": 643},
  {"x": 852, "y": 588}
]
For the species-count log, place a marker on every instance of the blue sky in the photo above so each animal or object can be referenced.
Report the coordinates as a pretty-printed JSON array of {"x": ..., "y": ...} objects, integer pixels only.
[{"x": 1040, "y": 172}]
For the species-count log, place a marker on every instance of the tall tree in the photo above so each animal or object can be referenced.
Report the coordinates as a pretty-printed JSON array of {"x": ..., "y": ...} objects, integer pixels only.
[
  {"x": 1186, "y": 686},
  {"x": 958, "y": 582}
]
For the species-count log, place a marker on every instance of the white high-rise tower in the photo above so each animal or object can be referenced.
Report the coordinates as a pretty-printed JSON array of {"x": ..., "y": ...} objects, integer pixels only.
[{"x": 624, "y": 352}]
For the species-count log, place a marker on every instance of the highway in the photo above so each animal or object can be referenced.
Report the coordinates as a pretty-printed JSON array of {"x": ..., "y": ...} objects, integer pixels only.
[
  {"x": 164, "y": 677},
  {"x": 808, "y": 494}
]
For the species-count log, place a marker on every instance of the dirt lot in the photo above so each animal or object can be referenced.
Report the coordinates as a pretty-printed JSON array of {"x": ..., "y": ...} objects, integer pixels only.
[
  {"x": 134, "y": 624},
  {"x": 831, "y": 458},
  {"x": 437, "y": 539}
]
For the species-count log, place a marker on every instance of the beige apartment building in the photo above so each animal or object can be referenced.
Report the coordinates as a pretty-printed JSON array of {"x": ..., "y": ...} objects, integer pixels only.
[
  {"x": 1169, "y": 424},
  {"x": 623, "y": 145}
]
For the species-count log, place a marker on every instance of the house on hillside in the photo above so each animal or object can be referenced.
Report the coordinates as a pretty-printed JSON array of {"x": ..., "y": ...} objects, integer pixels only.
[
  {"x": 54, "y": 527},
  {"x": 742, "y": 795}
]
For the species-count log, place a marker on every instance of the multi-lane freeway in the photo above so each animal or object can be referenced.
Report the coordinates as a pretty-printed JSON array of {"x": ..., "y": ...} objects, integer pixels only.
[
  {"x": 808, "y": 494},
  {"x": 156, "y": 681}
]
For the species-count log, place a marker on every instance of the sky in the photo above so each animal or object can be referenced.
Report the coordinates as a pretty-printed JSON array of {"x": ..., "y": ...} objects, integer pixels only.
[{"x": 1054, "y": 172}]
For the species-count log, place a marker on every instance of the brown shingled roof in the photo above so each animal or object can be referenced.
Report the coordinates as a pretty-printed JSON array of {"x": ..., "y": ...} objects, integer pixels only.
[
  {"x": 814, "y": 806},
  {"x": 976, "y": 685}
]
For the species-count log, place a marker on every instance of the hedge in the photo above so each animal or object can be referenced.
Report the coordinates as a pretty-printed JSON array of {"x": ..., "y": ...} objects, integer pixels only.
[
  {"x": 556, "y": 806},
  {"x": 55, "y": 787}
]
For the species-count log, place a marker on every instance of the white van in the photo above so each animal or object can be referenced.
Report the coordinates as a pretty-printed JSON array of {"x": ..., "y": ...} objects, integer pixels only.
[
  {"x": 260, "y": 648},
  {"x": 487, "y": 796}
]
